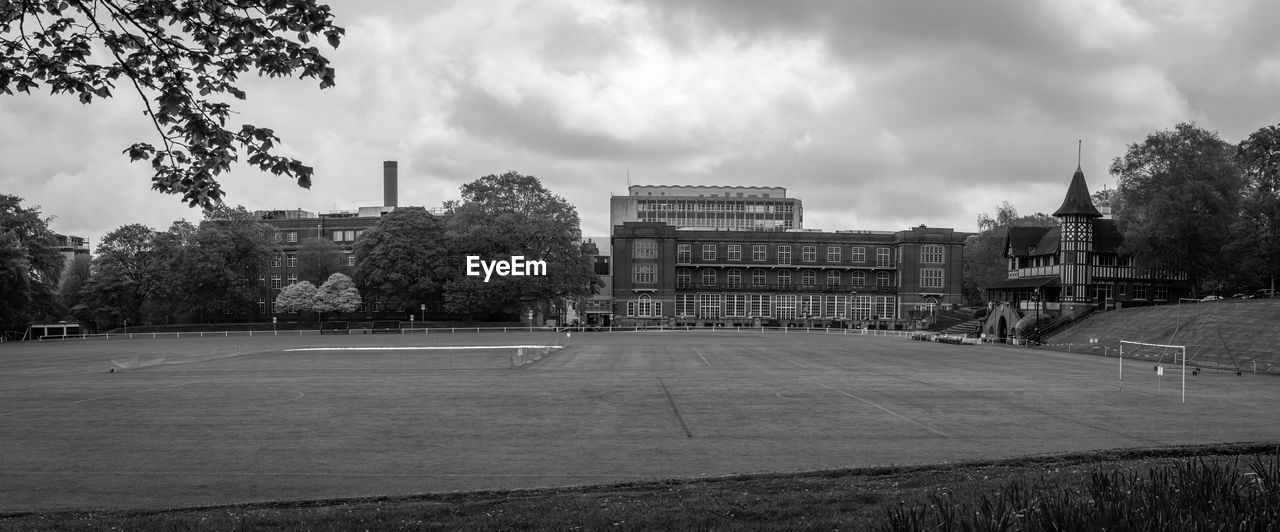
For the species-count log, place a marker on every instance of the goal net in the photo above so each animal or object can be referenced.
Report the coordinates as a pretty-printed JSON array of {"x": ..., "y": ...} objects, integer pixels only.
[{"x": 1167, "y": 361}]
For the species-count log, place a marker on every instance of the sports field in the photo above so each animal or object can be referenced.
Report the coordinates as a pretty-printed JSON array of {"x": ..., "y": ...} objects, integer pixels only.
[{"x": 204, "y": 421}]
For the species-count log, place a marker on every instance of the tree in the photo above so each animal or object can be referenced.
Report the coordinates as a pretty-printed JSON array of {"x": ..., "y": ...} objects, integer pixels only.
[
  {"x": 183, "y": 58},
  {"x": 403, "y": 259},
  {"x": 984, "y": 263},
  {"x": 223, "y": 262},
  {"x": 297, "y": 297},
  {"x": 501, "y": 216},
  {"x": 121, "y": 284},
  {"x": 1179, "y": 191},
  {"x": 337, "y": 294},
  {"x": 30, "y": 265},
  {"x": 1257, "y": 230},
  {"x": 74, "y": 278},
  {"x": 167, "y": 301},
  {"x": 317, "y": 259}
]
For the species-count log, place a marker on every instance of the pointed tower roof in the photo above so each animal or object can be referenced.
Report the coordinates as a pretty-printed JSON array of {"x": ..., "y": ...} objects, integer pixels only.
[{"x": 1078, "y": 200}]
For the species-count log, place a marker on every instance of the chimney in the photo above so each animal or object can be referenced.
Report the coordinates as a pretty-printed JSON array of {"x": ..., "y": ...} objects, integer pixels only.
[{"x": 389, "y": 175}]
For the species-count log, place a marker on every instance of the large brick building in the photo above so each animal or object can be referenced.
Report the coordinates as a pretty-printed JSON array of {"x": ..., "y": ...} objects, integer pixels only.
[{"x": 665, "y": 275}]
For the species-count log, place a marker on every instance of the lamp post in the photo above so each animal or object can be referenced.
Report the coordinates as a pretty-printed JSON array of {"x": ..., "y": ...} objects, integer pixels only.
[{"x": 1035, "y": 297}]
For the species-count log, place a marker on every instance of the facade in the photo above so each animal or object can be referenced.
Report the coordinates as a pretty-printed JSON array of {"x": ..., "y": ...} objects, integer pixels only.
[
  {"x": 1074, "y": 268},
  {"x": 597, "y": 309},
  {"x": 669, "y": 276},
  {"x": 731, "y": 208}
]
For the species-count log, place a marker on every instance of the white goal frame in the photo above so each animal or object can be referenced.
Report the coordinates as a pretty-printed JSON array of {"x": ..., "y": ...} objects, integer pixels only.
[{"x": 1179, "y": 349}]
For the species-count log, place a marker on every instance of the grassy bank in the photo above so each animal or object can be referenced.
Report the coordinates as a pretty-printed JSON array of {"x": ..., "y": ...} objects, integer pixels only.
[{"x": 1204, "y": 487}]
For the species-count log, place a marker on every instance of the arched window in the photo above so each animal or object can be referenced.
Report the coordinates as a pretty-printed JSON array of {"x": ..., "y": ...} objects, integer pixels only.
[
  {"x": 883, "y": 279},
  {"x": 644, "y": 305},
  {"x": 859, "y": 279},
  {"x": 833, "y": 278},
  {"x": 735, "y": 278}
]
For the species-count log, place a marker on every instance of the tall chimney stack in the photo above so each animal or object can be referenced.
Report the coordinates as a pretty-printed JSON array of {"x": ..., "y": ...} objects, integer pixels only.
[{"x": 390, "y": 173}]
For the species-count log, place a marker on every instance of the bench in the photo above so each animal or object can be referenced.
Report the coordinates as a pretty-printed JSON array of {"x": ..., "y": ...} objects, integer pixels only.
[{"x": 334, "y": 327}]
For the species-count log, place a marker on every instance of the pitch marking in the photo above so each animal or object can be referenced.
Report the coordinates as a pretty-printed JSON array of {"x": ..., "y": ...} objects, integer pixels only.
[
  {"x": 797, "y": 363},
  {"x": 672, "y": 400},
  {"x": 704, "y": 359},
  {"x": 424, "y": 348},
  {"x": 895, "y": 414}
]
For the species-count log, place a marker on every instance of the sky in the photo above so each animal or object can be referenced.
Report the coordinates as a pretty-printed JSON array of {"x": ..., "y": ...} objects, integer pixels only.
[{"x": 877, "y": 115}]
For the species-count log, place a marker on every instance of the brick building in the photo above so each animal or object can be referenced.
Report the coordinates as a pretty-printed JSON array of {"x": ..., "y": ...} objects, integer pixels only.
[{"x": 665, "y": 275}]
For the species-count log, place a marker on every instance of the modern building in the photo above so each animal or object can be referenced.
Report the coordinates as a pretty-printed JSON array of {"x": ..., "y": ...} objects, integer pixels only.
[
  {"x": 668, "y": 276},
  {"x": 1073, "y": 268},
  {"x": 727, "y": 208}
]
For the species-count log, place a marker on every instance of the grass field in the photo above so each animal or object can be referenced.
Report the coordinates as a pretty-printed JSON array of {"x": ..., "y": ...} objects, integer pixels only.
[{"x": 230, "y": 420}]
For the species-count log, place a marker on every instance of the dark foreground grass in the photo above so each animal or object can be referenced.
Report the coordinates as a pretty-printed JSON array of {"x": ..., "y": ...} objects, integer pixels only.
[{"x": 1221, "y": 487}]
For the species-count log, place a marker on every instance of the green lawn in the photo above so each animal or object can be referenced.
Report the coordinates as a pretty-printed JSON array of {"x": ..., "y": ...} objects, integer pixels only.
[{"x": 242, "y": 420}]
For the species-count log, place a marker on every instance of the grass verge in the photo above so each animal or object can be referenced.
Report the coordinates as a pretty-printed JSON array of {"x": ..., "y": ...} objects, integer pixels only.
[{"x": 1230, "y": 486}]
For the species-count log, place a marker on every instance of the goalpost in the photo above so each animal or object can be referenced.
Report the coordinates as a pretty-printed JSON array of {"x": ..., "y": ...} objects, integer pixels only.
[{"x": 1159, "y": 352}]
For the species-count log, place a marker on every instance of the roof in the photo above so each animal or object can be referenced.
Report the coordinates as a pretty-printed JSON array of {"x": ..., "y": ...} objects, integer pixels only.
[
  {"x": 1078, "y": 200},
  {"x": 1029, "y": 241}
]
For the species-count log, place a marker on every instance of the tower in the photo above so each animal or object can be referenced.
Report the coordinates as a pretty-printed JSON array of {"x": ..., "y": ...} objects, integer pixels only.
[{"x": 1075, "y": 250}]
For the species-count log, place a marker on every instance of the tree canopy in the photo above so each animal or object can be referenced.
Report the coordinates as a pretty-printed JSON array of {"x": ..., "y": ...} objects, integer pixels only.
[
  {"x": 184, "y": 59},
  {"x": 30, "y": 265},
  {"x": 317, "y": 259},
  {"x": 403, "y": 260},
  {"x": 1179, "y": 192},
  {"x": 1257, "y": 230}
]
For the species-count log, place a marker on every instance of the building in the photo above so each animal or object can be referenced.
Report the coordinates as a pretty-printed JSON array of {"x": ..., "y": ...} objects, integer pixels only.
[
  {"x": 729, "y": 208},
  {"x": 341, "y": 227},
  {"x": 597, "y": 309},
  {"x": 1074, "y": 268},
  {"x": 668, "y": 276}
]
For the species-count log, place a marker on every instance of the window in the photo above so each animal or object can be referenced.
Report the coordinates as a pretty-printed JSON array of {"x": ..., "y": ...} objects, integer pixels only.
[
  {"x": 644, "y": 248},
  {"x": 683, "y": 254},
  {"x": 734, "y": 252},
  {"x": 685, "y": 305},
  {"x": 275, "y": 261},
  {"x": 644, "y": 306},
  {"x": 683, "y": 278},
  {"x": 262, "y": 305},
  {"x": 351, "y": 260},
  {"x": 811, "y": 306},
  {"x": 808, "y": 278},
  {"x": 708, "y": 252},
  {"x": 786, "y": 307},
  {"x": 1139, "y": 291},
  {"x": 882, "y": 257},
  {"x": 837, "y": 307},
  {"x": 735, "y": 305},
  {"x": 601, "y": 265},
  {"x": 885, "y": 307},
  {"x": 931, "y": 278},
  {"x": 1160, "y": 292},
  {"x": 291, "y": 260},
  {"x": 758, "y": 253},
  {"x": 292, "y": 236},
  {"x": 337, "y": 236},
  {"x": 761, "y": 305},
  {"x": 709, "y": 277},
  {"x": 644, "y": 273},
  {"x": 784, "y": 279},
  {"x": 735, "y": 278},
  {"x": 709, "y": 306},
  {"x": 858, "y": 279},
  {"x": 861, "y": 308},
  {"x": 275, "y": 281},
  {"x": 349, "y": 236},
  {"x": 833, "y": 253},
  {"x": 931, "y": 254},
  {"x": 758, "y": 278},
  {"x": 833, "y": 278},
  {"x": 784, "y": 254},
  {"x": 809, "y": 253},
  {"x": 858, "y": 255},
  {"x": 882, "y": 279},
  {"x": 293, "y": 278}
]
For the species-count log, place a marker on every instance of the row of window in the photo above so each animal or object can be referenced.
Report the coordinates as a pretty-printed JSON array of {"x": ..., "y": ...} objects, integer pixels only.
[
  {"x": 338, "y": 235},
  {"x": 780, "y": 306},
  {"x": 717, "y": 206},
  {"x": 291, "y": 260},
  {"x": 733, "y": 278},
  {"x": 267, "y": 306},
  {"x": 1096, "y": 259},
  {"x": 647, "y": 249}
]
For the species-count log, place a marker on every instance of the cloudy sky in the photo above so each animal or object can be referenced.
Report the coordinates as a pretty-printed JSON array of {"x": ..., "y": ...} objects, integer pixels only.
[{"x": 878, "y": 115}]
